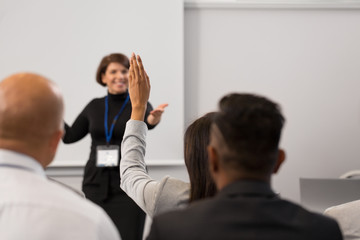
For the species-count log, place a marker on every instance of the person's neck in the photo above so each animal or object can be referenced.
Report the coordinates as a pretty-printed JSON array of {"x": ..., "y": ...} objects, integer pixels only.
[
  {"x": 228, "y": 178},
  {"x": 117, "y": 97},
  {"x": 23, "y": 148}
]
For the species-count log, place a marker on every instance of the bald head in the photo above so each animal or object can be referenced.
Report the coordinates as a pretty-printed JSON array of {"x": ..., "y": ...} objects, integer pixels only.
[{"x": 31, "y": 111}]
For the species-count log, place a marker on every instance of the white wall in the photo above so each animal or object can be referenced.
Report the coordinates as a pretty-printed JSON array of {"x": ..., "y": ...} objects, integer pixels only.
[{"x": 306, "y": 59}]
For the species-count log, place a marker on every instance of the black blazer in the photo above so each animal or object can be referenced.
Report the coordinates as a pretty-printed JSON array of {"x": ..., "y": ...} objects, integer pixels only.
[{"x": 247, "y": 210}]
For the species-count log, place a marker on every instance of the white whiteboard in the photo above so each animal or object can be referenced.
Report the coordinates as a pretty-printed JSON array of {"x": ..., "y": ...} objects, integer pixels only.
[{"x": 65, "y": 41}]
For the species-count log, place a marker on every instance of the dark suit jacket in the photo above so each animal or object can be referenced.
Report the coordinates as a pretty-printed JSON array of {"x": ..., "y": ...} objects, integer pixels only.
[{"x": 245, "y": 210}]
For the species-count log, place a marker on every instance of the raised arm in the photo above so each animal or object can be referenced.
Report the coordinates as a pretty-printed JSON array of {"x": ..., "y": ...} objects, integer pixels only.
[
  {"x": 135, "y": 180},
  {"x": 154, "y": 197}
]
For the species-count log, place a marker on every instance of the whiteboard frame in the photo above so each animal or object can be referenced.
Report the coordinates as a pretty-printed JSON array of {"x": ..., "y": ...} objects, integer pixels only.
[{"x": 278, "y": 4}]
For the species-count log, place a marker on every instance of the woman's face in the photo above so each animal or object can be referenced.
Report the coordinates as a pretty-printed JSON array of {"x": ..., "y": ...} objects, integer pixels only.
[{"x": 116, "y": 78}]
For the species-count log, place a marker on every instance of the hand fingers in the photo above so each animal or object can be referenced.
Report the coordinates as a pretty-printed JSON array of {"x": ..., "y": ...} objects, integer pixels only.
[
  {"x": 162, "y": 106},
  {"x": 141, "y": 67},
  {"x": 135, "y": 67},
  {"x": 131, "y": 69},
  {"x": 157, "y": 110},
  {"x": 147, "y": 78},
  {"x": 156, "y": 114},
  {"x": 132, "y": 64},
  {"x": 142, "y": 71},
  {"x": 160, "y": 109}
]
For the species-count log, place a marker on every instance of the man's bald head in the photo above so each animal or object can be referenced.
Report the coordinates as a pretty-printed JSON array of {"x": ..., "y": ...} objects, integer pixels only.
[{"x": 31, "y": 111}]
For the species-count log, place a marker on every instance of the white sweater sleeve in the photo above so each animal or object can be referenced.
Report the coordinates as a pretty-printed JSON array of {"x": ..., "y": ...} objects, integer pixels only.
[
  {"x": 135, "y": 180},
  {"x": 154, "y": 197}
]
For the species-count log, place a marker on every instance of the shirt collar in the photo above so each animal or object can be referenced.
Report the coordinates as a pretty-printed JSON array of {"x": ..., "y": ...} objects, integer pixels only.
[{"x": 20, "y": 160}]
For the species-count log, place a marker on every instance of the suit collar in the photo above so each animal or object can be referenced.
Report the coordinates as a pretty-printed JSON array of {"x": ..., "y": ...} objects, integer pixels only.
[{"x": 248, "y": 188}]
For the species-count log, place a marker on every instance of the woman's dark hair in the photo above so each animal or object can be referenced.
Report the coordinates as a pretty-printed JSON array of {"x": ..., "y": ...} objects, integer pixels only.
[
  {"x": 114, "y": 57},
  {"x": 196, "y": 140}
]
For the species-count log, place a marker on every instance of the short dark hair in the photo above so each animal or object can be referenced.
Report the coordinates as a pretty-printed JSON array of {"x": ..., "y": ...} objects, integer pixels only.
[
  {"x": 251, "y": 128},
  {"x": 196, "y": 139},
  {"x": 114, "y": 57}
]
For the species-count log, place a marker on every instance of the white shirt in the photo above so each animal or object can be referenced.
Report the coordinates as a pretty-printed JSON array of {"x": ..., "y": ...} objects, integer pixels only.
[{"x": 34, "y": 208}]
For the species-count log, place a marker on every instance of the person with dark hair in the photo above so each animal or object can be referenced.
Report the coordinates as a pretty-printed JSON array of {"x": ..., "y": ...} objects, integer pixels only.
[
  {"x": 105, "y": 118},
  {"x": 243, "y": 154},
  {"x": 156, "y": 197},
  {"x": 196, "y": 139}
]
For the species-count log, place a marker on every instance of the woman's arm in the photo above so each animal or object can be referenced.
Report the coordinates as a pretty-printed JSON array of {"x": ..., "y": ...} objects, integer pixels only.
[
  {"x": 152, "y": 196},
  {"x": 78, "y": 130},
  {"x": 134, "y": 178},
  {"x": 133, "y": 175}
]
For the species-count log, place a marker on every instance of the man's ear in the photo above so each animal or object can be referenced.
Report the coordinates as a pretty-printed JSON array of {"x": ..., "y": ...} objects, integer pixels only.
[
  {"x": 54, "y": 142},
  {"x": 280, "y": 160},
  {"x": 213, "y": 161},
  {"x": 51, "y": 148}
]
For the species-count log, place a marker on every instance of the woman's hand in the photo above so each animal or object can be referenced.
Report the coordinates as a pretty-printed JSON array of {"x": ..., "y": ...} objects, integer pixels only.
[
  {"x": 139, "y": 88},
  {"x": 155, "y": 115}
]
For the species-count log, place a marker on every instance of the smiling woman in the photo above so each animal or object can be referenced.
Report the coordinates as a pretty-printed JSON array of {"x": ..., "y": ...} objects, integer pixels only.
[
  {"x": 113, "y": 72},
  {"x": 105, "y": 118},
  {"x": 115, "y": 78}
]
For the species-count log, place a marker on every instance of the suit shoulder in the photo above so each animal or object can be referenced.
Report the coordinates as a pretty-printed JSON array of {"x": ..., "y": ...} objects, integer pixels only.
[{"x": 316, "y": 223}]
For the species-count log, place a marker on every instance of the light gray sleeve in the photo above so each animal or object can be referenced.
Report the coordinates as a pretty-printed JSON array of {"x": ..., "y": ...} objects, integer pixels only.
[{"x": 135, "y": 180}]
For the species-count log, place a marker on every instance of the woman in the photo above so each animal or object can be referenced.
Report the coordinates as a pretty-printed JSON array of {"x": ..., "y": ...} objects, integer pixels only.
[
  {"x": 169, "y": 193},
  {"x": 105, "y": 119}
]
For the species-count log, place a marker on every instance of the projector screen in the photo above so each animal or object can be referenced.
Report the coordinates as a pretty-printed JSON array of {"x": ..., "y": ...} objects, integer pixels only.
[{"x": 65, "y": 41}]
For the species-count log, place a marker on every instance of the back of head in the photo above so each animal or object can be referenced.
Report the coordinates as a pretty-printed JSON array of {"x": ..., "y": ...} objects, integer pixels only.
[
  {"x": 31, "y": 112},
  {"x": 196, "y": 140},
  {"x": 248, "y": 128}
]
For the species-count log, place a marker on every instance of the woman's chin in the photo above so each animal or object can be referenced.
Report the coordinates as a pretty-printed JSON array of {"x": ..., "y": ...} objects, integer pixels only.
[{"x": 118, "y": 91}]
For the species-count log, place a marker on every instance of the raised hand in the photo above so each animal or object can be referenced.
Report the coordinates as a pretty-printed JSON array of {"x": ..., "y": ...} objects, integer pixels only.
[{"x": 139, "y": 88}]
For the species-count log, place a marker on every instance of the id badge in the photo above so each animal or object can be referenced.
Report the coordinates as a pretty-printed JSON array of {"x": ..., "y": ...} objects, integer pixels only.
[{"x": 107, "y": 156}]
